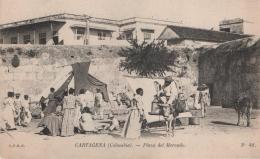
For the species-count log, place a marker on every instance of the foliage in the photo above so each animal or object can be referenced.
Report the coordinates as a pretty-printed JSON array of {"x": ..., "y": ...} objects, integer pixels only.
[
  {"x": 146, "y": 59},
  {"x": 15, "y": 61}
]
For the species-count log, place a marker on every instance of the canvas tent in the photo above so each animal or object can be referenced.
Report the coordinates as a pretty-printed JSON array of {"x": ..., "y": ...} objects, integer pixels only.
[{"x": 77, "y": 72}]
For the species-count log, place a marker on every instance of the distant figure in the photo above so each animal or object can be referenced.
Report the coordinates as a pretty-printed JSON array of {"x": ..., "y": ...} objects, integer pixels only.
[
  {"x": 69, "y": 106},
  {"x": 18, "y": 107},
  {"x": 113, "y": 100},
  {"x": 204, "y": 98},
  {"x": 26, "y": 115},
  {"x": 8, "y": 111},
  {"x": 80, "y": 103},
  {"x": 180, "y": 105},
  {"x": 52, "y": 103},
  {"x": 99, "y": 104},
  {"x": 90, "y": 99},
  {"x": 243, "y": 106}
]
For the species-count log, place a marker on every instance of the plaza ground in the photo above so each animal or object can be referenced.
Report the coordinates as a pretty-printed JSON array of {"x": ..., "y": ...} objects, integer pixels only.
[{"x": 217, "y": 136}]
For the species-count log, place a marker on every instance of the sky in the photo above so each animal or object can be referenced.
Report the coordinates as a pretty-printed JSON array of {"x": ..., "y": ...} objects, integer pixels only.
[{"x": 195, "y": 13}]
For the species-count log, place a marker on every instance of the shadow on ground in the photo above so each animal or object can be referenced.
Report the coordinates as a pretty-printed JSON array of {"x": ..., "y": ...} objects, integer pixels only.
[{"x": 223, "y": 123}]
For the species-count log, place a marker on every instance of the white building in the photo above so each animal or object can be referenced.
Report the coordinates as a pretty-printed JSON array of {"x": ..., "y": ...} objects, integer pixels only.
[{"x": 70, "y": 29}]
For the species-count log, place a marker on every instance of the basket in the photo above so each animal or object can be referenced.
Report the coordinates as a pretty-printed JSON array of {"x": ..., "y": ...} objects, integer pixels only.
[
  {"x": 194, "y": 121},
  {"x": 196, "y": 112},
  {"x": 184, "y": 121}
]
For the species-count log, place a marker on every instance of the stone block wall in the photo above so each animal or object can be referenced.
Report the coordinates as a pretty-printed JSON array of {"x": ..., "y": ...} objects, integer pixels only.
[{"x": 232, "y": 70}]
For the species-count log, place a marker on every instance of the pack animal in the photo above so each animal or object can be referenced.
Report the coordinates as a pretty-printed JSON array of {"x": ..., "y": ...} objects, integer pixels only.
[
  {"x": 170, "y": 113},
  {"x": 243, "y": 107}
]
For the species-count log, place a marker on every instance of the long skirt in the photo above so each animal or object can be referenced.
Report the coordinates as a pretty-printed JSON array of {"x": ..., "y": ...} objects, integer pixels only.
[
  {"x": 132, "y": 127},
  {"x": 67, "y": 128},
  {"x": 53, "y": 123}
]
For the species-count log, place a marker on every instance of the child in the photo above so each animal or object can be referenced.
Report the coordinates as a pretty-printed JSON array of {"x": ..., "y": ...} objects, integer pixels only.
[{"x": 114, "y": 124}]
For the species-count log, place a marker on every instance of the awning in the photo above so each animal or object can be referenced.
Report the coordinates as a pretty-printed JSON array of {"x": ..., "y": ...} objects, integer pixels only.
[
  {"x": 127, "y": 29},
  {"x": 92, "y": 27},
  {"x": 29, "y": 22},
  {"x": 147, "y": 30}
]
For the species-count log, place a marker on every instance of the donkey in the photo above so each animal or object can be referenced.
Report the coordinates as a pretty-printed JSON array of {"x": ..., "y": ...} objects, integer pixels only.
[{"x": 243, "y": 107}]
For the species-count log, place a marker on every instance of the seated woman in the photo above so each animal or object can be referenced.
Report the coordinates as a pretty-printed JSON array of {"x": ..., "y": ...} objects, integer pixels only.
[
  {"x": 114, "y": 125},
  {"x": 52, "y": 123},
  {"x": 86, "y": 122}
]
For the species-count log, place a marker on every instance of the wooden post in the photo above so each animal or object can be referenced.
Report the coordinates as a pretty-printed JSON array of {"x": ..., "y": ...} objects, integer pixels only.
[
  {"x": 51, "y": 31},
  {"x": 18, "y": 39},
  {"x": 34, "y": 36},
  {"x": 86, "y": 32}
]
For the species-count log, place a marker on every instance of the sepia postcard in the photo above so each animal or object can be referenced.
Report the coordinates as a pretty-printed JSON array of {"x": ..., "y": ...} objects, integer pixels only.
[{"x": 137, "y": 79}]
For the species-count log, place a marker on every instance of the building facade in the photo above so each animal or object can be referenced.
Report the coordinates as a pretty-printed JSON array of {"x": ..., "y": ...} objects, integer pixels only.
[{"x": 70, "y": 29}]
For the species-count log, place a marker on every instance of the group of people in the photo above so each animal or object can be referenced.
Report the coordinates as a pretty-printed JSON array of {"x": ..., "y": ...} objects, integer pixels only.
[
  {"x": 15, "y": 111},
  {"x": 74, "y": 113},
  {"x": 170, "y": 101},
  {"x": 66, "y": 114}
]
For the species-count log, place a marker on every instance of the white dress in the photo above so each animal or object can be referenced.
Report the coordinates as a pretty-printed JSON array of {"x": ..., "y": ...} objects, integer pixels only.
[
  {"x": 26, "y": 106},
  {"x": 8, "y": 112},
  {"x": 86, "y": 123},
  {"x": 133, "y": 124}
]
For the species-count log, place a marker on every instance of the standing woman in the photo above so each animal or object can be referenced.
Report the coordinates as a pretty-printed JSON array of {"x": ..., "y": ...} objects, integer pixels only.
[
  {"x": 69, "y": 107},
  {"x": 9, "y": 111},
  {"x": 80, "y": 103},
  {"x": 132, "y": 127}
]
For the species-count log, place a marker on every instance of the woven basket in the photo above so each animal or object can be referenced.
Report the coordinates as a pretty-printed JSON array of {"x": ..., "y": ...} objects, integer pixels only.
[
  {"x": 194, "y": 121},
  {"x": 184, "y": 121}
]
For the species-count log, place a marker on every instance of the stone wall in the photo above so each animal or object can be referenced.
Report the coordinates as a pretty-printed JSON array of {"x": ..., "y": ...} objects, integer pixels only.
[
  {"x": 40, "y": 65},
  {"x": 232, "y": 69}
]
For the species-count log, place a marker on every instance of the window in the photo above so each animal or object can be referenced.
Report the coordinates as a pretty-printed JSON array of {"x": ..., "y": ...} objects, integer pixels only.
[
  {"x": 225, "y": 29},
  {"x": 42, "y": 38},
  {"x": 148, "y": 34},
  {"x": 26, "y": 39},
  {"x": 1, "y": 41},
  {"x": 13, "y": 40},
  {"x": 101, "y": 36},
  {"x": 129, "y": 35},
  {"x": 79, "y": 34}
]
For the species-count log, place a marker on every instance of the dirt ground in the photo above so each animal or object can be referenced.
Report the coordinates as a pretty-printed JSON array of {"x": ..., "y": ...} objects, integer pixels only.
[{"x": 216, "y": 137}]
